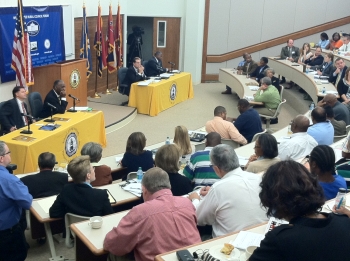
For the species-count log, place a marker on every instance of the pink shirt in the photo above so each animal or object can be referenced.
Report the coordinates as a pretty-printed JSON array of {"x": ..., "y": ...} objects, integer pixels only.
[
  {"x": 159, "y": 225},
  {"x": 226, "y": 130}
]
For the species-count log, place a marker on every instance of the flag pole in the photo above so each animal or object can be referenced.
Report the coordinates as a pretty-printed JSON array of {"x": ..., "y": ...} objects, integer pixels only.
[{"x": 96, "y": 96}]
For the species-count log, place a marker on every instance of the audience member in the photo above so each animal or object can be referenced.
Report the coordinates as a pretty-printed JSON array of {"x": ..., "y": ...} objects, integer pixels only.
[
  {"x": 135, "y": 155},
  {"x": 47, "y": 182},
  {"x": 326, "y": 68},
  {"x": 248, "y": 123},
  {"x": 226, "y": 129},
  {"x": 300, "y": 143},
  {"x": 336, "y": 42},
  {"x": 182, "y": 140},
  {"x": 291, "y": 53},
  {"x": 269, "y": 72},
  {"x": 338, "y": 72},
  {"x": 324, "y": 42},
  {"x": 344, "y": 88},
  {"x": 248, "y": 67},
  {"x": 11, "y": 112},
  {"x": 14, "y": 199},
  {"x": 199, "y": 170},
  {"x": 102, "y": 172},
  {"x": 79, "y": 197},
  {"x": 290, "y": 192},
  {"x": 232, "y": 203},
  {"x": 167, "y": 158},
  {"x": 321, "y": 130},
  {"x": 346, "y": 45},
  {"x": 316, "y": 59},
  {"x": 55, "y": 97},
  {"x": 322, "y": 164},
  {"x": 339, "y": 126},
  {"x": 259, "y": 71},
  {"x": 267, "y": 94},
  {"x": 341, "y": 112},
  {"x": 305, "y": 53},
  {"x": 154, "y": 65},
  {"x": 240, "y": 64},
  {"x": 161, "y": 224},
  {"x": 266, "y": 152},
  {"x": 343, "y": 165}
]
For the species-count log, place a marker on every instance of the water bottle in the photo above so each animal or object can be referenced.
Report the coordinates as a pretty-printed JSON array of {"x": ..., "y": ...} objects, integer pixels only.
[
  {"x": 311, "y": 108},
  {"x": 340, "y": 200},
  {"x": 139, "y": 175},
  {"x": 307, "y": 70},
  {"x": 324, "y": 90},
  {"x": 290, "y": 129},
  {"x": 167, "y": 141}
]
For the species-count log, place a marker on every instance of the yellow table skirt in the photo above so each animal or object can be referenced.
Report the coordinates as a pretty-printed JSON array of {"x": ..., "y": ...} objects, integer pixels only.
[
  {"x": 65, "y": 142},
  {"x": 157, "y": 97}
]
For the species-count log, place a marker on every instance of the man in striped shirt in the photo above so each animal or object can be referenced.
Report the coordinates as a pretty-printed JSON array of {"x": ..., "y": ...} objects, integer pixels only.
[{"x": 199, "y": 169}]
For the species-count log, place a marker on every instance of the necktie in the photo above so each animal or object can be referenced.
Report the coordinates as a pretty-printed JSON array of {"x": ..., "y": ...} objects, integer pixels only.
[
  {"x": 338, "y": 79},
  {"x": 24, "y": 112},
  {"x": 290, "y": 52}
]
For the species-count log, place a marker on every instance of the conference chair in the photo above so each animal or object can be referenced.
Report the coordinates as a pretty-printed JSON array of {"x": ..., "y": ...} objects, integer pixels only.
[
  {"x": 69, "y": 219},
  {"x": 144, "y": 64},
  {"x": 121, "y": 76},
  {"x": 131, "y": 175},
  {"x": 232, "y": 143},
  {"x": 35, "y": 103},
  {"x": 256, "y": 136},
  {"x": 199, "y": 146},
  {"x": 1, "y": 130},
  {"x": 281, "y": 91},
  {"x": 269, "y": 117}
]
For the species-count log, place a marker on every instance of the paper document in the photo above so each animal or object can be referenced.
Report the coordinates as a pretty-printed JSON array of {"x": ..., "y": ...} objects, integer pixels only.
[
  {"x": 274, "y": 222},
  {"x": 253, "y": 88},
  {"x": 246, "y": 239},
  {"x": 144, "y": 83},
  {"x": 332, "y": 92},
  {"x": 166, "y": 74},
  {"x": 175, "y": 71},
  {"x": 324, "y": 81},
  {"x": 134, "y": 188},
  {"x": 46, "y": 203},
  {"x": 79, "y": 108},
  {"x": 242, "y": 160},
  {"x": 249, "y": 98}
]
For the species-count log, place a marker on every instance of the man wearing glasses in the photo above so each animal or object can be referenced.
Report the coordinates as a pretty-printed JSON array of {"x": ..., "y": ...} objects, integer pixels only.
[{"x": 14, "y": 197}]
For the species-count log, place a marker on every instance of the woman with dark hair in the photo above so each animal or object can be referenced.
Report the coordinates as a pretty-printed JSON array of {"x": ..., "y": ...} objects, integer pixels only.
[
  {"x": 324, "y": 42},
  {"x": 305, "y": 53},
  {"x": 322, "y": 164},
  {"x": 336, "y": 42},
  {"x": 135, "y": 156},
  {"x": 266, "y": 151},
  {"x": 289, "y": 191}
]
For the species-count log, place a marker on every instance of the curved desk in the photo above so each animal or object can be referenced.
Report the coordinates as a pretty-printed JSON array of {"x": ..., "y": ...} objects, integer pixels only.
[{"x": 345, "y": 58}]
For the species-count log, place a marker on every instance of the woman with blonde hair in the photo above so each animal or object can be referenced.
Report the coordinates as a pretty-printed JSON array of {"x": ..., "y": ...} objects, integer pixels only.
[{"x": 182, "y": 140}]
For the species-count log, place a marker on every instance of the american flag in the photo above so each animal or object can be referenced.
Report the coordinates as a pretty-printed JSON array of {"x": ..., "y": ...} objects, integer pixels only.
[{"x": 21, "y": 57}]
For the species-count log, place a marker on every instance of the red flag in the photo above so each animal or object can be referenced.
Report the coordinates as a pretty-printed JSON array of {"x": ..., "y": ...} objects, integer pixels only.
[
  {"x": 119, "y": 39},
  {"x": 111, "y": 55},
  {"x": 100, "y": 45},
  {"x": 21, "y": 57}
]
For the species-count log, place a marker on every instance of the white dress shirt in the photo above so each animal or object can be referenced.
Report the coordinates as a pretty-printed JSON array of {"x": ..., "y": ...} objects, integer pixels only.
[
  {"x": 19, "y": 102},
  {"x": 345, "y": 48},
  {"x": 232, "y": 203},
  {"x": 298, "y": 146}
]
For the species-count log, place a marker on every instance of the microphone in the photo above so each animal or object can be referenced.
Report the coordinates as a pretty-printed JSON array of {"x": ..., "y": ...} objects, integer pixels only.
[
  {"x": 54, "y": 107},
  {"x": 171, "y": 63},
  {"x": 75, "y": 98},
  {"x": 28, "y": 116}
]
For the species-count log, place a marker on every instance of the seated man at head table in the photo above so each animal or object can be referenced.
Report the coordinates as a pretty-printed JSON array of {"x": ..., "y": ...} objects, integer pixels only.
[
  {"x": 345, "y": 48},
  {"x": 316, "y": 58},
  {"x": 11, "y": 114},
  {"x": 248, "y": 123},
  {"x": 338, "y": 72},
  {"x": 269, "y": 95},
  {"x": 341, "y": 112},
  {"x": 321, "y": 130},
  {"x": 300, "y": 143},
  {"x": 326, "y": 68},
  {"x": 339, "y": 126},
  {"x": 226, "y": 129},
  {"x": 79, "y": 197},
  {"x": 161, "y": 224},
  {"x": 154, "y": 65},
  {"x": 135, "y": 73},
  {"x": 291, "y": 53},
  {"x": 199, "y": 170},
  {"x": 258, "y": 74},
  {"x": 232, "y": 203},
  {"x": 15, "y": 198},
  {"x": 57, "y": 98},
  {"x": 47, "y": 182}
]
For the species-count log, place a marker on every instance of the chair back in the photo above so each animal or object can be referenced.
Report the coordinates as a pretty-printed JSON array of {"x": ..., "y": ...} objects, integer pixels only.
[
  {"x": 1, "y": 130},
  {"x": 231, "y": 143},
  {"x": 281, "y": 92},
  {"x": 277, "y": 112},
  {"x": 338, "y": 138},
  {"x": 121, "y": 76},
  {"x": 35, "y": 103},
  {"x": 144, "y": 64},
  {"x": 199, "y": 146},
  {"x": 256, "y": 136},
  {"x": 69, "y": 219},
  {"x": 131, "y": 175}
]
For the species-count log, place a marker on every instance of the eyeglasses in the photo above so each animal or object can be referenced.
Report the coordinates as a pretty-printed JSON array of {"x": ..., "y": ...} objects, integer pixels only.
[{"x": 6, "y": 153}]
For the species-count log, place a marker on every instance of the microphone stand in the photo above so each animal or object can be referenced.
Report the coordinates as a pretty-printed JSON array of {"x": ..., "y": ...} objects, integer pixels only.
[
  {"x": 74, "y": 110},
  {"x": 50, "y": 120},
  {"x": 27, "y": 131}
]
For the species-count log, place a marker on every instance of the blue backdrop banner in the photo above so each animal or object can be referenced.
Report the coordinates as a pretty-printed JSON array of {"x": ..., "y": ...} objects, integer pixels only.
[{"x": 45, "y": 29}]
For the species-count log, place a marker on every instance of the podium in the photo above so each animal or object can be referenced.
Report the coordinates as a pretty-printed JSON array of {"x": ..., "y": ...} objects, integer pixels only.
[{"x": 72, "y": 72}]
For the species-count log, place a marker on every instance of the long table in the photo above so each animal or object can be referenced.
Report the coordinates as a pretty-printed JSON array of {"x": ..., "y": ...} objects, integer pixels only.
[
  {"x": 157, "y": 97},
  {"x": 65, "y": 142}
]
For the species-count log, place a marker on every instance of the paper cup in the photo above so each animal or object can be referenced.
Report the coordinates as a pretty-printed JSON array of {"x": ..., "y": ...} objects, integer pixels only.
[
  {"x": 249, "y": 251},
  {"x": 96, "y": 222}
]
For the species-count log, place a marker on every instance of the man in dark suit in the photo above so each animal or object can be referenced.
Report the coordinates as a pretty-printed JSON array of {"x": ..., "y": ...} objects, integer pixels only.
[
  {"x": 291, "y": 53},
  {"x": 326, "y": 68},
  {"x": 57, "y": 98},
  {"x": 47, "y": 182},
  {"x": 10, "y": 115},
  {"x": 258, "y": 74},
  {"x": 79, "y": 197},
  {"x": 154, "y": 66},
  {"x": 338, "y": 72},
  {"x": 135, "y": 73}
]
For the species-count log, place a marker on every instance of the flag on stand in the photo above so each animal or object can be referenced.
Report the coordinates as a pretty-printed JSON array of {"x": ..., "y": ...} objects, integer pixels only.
[
  {"x": 119, "y": 39},
  {"x": 85, "y": 51},
  {"x": 21, "y": 57},
  {"x": 111, "y": 55},
  {"x": 100, "y": 46}
]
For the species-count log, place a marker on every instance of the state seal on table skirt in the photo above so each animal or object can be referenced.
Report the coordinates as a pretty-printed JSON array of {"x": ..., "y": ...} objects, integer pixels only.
[
  {"x": 71, "y": 144},
  {"x": 173, "y": 92}
]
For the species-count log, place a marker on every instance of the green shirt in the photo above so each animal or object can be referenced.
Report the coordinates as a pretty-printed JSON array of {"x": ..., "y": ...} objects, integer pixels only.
[{"x": 271, "y": 97}]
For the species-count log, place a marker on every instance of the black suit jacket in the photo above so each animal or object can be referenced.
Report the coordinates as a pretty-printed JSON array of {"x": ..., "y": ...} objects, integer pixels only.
[
  {"x": 81, "y": 199},
  {"x": 333, "y": 79},
  {"x": 154, "y": 68},
  {"x": 52, "y": 98},
  {"x": 317, "y": 61},
  {"x": 257, "y": 74},
  {"x": 325, "y": 72},
  {"x": 131, "y": 77},
  {"x": 10, "y": 115},
  {"x": 46, "y": 183}
]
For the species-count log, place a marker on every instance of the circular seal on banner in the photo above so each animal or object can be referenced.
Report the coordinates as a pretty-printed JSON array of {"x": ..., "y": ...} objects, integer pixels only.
[
  {"x": 71, "y": 144},
  {"x": 74, "y": 78},
  {"x": 33, "y": 28},
  {"x": 173, "y": 92},
  {"x": 47, "y": 43}
]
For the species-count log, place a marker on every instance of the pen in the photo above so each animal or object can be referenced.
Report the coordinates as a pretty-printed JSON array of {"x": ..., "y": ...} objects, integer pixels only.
[{"x": 341, "y": 200}]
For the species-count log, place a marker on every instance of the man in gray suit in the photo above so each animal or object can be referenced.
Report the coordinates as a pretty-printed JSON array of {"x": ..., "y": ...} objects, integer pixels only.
[{"x": 291, "y": 53}]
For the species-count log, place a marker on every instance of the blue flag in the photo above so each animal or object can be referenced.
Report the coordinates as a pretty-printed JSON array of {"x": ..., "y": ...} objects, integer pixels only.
[{"x": 85, "y": 45}]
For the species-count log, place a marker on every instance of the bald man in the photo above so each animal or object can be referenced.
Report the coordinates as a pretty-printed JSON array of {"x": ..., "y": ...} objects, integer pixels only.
[
  {"x": 300, "y": 143},
  {"x": 321, "y": 130},
  {"x": 341, "y": 112}
]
